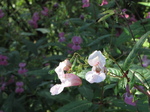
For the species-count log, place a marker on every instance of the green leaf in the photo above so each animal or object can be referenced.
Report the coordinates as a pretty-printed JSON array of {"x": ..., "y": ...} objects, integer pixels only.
[
  {"x": 8, "y": 104},
  {"x": 59, "y": 98},
  {"x": 27, "y": 34},
  {"x": 30, "y": 46},
  {"x": 86, "y": 91},
  {"x": 129, "y": 60},
  {"x": 76, "y": 106},
  {"x": 105, "y": 15},
  {"x": 144, "y": 3},
  {"x": 43, "y": 30},
  {"x": 98, "y": 39},
  {"x": 137, "y": 30}
]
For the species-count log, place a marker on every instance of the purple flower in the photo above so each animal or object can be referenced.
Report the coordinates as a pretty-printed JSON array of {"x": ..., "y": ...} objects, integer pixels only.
[
  {"x": 19, "y": 84},
  {"x": 3, "y": 60},
  {"x": 22, "y": 69},
  {"x": 45, "y": 11},
  {"x": 146, "y": 61},
  {"x": 21, "y": 65},
  {"x": 85, "y": 3},
  {"x": 1, "y": 13},
  {"x": 77, "y": 40},
  {"x": 61, "y": 34},
  {"x": 128, "y": 97},
  {"x": 56, "y": 5},
  {"x": 19, "y": 90},
  {"x": 82, "y": 17},
  {"x": 61, "y": 37},
  {"x": 1, "y": 111},
  {"x": 3, "y": 85},
  {"x": 104, "y": 2},
  {"x": 35, "y": 16},
  {"x": 33, "y": 23},
  {"x": 76, "y": 47}
]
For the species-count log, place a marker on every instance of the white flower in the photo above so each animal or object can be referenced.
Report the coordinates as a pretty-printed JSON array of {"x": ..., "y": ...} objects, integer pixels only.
[{"x": 97, "y": 61}]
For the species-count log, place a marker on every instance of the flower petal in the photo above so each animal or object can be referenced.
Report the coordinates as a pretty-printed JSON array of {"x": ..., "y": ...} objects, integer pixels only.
[
  {"x": 97, "y": 58},
  {"x": 94, "y": 77},
  {"x": 56, "y": 89}
]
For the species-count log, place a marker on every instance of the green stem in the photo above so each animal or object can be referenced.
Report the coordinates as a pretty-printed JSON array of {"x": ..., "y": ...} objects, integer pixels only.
[{"x": 101, "y": 97}]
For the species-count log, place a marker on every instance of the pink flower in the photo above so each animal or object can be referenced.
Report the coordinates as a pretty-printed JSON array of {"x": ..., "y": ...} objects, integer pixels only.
[
  {"x": 124, "y": 15},
  {"x": 85, "y": 3},
  {"x": 1, "y": 13},
  {"x": 1, "y": 111},
  {"x": 45, "y": 11},
  {"x": 148, "y": 15},
  {"x": 97, "y": 61},
  {"x": 67, "y": 80},
  {"x": 104, "y": 2}
]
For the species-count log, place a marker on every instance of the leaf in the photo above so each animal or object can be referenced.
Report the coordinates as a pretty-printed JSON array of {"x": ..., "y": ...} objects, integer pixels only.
[
  {"x": 27, "y": 34},
  {"x": 144, "y": 3},
  {"x": 129, "y": 60},
  {"x": 86, "y": 91},
  {"x": 98, "y": 39},
  {"x": 137, "y": 30},
  {"x": 76, "y": 106},
  {"x": 59, "y": 98},
  {"x": 43, "y": 30},
  {"x": 8, "y": 104},
  {"x": 105, "y": 15},
  {"x": 30, "y": 46}
]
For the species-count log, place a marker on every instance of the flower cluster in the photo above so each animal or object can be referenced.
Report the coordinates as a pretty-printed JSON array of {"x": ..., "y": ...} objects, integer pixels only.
[
  {"x": 67, "y": 79},
  {"x": 97, "y": 61},
  {"x": 2, "y": 14},
  {"x": 19, "y": 87},
  {"x": 22, "y": 69},
  {"x": 3, "y": 60},
  {"x": 33, "y": 21},
  {"x": 97, "y": 75},
  {"x": 36, "y": 17}
]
